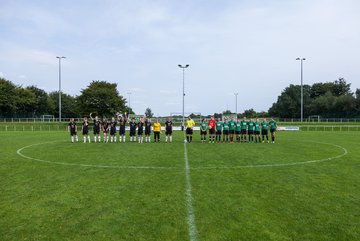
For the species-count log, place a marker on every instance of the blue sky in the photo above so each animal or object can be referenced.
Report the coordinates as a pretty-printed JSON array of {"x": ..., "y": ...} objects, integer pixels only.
[{"x": 247, "y": 47}]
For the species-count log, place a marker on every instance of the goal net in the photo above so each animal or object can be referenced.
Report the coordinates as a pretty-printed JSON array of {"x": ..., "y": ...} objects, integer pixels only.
[{"x": 47, "y": 118}]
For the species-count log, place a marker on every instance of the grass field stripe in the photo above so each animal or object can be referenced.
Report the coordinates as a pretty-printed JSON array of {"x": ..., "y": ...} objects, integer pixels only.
[
  {"x": 189, "y": 198},
  {"x": 84, "y": 165}
]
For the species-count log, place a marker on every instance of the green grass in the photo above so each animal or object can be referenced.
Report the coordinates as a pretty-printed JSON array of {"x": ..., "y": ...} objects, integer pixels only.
[{"x": 238, "y": 193}]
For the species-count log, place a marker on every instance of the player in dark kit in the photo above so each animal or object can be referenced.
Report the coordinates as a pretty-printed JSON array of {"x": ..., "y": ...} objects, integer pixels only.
[
  {"x": 97, "y": 127},
  {"x": 219, "y": 127},
  {"x": 147, "y": 130},
  {"x": 133, "y": 126},
  {"x": 140, "y": 133},
  {"x": 122, "y": 129},
  {"x": 264, "y": 130},
  {"x": 105, "y": 128},
  {"x": 168, "y": 130},
  {"x": 73, "y": 130},
  {"x": 113, "y": 125},
  {"x": 272, "y": 124},
  {"x": 85, "y": 130}
]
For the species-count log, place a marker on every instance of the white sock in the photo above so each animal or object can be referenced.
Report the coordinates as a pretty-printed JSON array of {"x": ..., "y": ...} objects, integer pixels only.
[
  {"x": 170, "y": 138},
  {"x": 72, "y": 138},
  {"x": 99, "y": 138},
  {"x": 84, "y": 139},
  {"x": 95, "y": 139},
  {"x": 111, "y": 139},
  {"x": 166, "y": 138},
  {"x": 114, "y": 138},
  {"x": 77, "y": 139},
  {"x": 89, "y": 139},
  {"x": 124, "y": 138}
]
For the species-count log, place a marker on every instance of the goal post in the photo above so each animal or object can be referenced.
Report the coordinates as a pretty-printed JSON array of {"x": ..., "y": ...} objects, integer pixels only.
[
  {"x": 314, "y": 118},
  {"x": 47, "y": 118}
]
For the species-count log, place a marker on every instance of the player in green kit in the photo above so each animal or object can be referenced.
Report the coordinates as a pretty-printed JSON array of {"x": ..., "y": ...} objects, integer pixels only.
[
  {"x": 219, "y": 127},
  {"x": 244, "y": 124},
  {"x": 238, "y": 130},
  {"x": 264, "y": 130},
  {"x": 257, "y": 130},
  {"x": 251, "y": 130},
  {"x": 226, "y": 131},
  {"x": 272, "y": 124},
  {"x": 203, "y": 127},
  {"x": 232, "y": 124}
]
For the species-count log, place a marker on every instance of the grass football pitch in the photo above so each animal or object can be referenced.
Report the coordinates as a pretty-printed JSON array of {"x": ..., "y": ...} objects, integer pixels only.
[{"x": 306, "y": 186}]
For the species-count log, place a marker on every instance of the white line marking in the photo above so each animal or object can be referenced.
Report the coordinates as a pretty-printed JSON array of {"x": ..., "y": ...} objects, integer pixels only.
[
  {"x": 190, "y": 209},
  {"x": 83, "y": 165},
  {"x": 345, "y": 152}
]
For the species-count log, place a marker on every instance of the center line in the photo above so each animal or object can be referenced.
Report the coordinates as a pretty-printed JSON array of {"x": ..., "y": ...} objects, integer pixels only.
[{"x": 190, "y": 209}]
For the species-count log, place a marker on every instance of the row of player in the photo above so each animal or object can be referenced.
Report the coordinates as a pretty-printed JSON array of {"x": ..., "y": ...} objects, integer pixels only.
[
  {"x": 233, "y": 130},
  {"x": 222, "y": 131}
]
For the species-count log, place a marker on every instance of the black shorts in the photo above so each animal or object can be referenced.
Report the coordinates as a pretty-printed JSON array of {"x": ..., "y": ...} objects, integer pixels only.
[
  {"x": 96, "y": 131},
  {"x": 140, "y": 132},
  {"x": 257, "y": 132},
  {"x": 211, "y": 131},
  {"x": 272, "y": 130},
  {"x": 231, "y": 132},
  {"x": 243, "y": 131},
  {"x": 250, "y": 132},
  {"x": 189, "y": 131},
  {"x": 147, "y": 132},
  {"x": 168, "y": 132},
  {"x": 237, "y": 132},
  {"x": 122, "y": 131},
  {"x": 226, "y": 132},
  {"x": 202, "y": 132},
  {"x": 132, "y": 132},
  {"x": 85, "y": 132},
  {"x": 73, "y": 133},
  {"x": 113, "y": 132},
  {"x": 264, "y": 132},
  {"x": 218, "y": 132}
]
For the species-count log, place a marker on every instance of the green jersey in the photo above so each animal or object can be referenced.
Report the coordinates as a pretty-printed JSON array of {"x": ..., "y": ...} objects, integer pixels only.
[
  {"x": 257, "y": 126},
  {"x": 244, "y": 125},
  {"x": 238, "y": 126},
  {"x": 226, "y": 126},
  {"x": 219, "y": 125},
  {"x": 203, "y": 125},
  {"x": 232, "y": 125},
  {"x": 272, "y": 124},
  {"x": 264, "y": 125},
  {"x": 251, "y": 125}
]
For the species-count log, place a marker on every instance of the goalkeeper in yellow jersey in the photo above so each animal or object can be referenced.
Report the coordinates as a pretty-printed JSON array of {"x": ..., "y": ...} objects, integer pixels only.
[{"x": 189, "y": 129}]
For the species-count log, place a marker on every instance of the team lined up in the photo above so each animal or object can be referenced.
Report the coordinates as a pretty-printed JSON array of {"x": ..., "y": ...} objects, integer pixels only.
[
  {"x": 137, "y": 129},
  {"x": 233, "y": 130},
  {"x": 229, "y": 130}
]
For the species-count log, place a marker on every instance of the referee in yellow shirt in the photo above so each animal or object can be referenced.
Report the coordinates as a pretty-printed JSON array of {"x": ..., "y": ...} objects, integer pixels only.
[
  {"x": 157, "y": 129},
  {"x": 189, "y": 129}
]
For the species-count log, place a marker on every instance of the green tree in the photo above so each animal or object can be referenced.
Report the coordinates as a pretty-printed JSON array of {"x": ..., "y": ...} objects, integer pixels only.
[
  {"x": 149, "y": 113},
  {"x": 101, "y": 98},
  {"x": 25, "y": 100},
  {"x": 7, "y": 98},
  {"x": 42, "y": 104},
  {"x": 69, "y": 105}
]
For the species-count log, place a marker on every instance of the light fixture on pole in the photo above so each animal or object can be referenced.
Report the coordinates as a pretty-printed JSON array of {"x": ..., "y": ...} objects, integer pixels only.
[
  {"x": 236, "y": 94},
  {"x": 183, "y": 98},
  {"x": 58, "y": 57},
  {"x": 302, "y": 90}
]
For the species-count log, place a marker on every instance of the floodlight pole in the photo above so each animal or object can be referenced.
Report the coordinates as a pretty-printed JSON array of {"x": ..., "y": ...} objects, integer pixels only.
[
  {"x": 236, "y": 95},
  {"x": 58, "y": 57},
  {"x": 183, "y": 97},
  {"x": 302, "y": 90},
  {"x": 129, "y": 93}
]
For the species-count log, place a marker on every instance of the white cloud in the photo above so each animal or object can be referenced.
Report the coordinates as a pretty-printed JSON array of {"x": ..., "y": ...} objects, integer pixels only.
[{"x": 2, "y": 75}]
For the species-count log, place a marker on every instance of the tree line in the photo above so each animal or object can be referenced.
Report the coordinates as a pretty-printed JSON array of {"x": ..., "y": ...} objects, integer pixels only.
[
  {"x": 100, "y": 97},
  {"x": 329, "y": 99}
]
